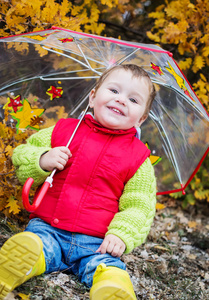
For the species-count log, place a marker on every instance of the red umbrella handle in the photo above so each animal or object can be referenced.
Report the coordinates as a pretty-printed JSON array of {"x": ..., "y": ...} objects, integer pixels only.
[{"x": 37, "y": 199}]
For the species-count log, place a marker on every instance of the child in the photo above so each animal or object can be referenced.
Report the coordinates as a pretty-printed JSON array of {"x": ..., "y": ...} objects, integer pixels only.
[{"x": 101, "y": 204}]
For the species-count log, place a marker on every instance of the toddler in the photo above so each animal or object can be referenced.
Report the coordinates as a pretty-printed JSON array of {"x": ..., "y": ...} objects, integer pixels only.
[{"x": 102, "y": 202}]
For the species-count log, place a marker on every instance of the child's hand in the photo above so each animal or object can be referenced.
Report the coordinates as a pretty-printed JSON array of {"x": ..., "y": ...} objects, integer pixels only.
[
  {"x": 55, "y": 158},
  {"x": 113, "y": 245}
]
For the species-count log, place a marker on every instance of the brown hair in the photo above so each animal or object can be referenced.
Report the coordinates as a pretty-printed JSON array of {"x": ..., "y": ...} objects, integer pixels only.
[{"x": 136, "y": 72}]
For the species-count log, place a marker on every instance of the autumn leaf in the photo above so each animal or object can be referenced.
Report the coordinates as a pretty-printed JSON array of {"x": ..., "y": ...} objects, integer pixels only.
[
  {"x": 153, "y": 37},
  {"x": 199, "y": 63},
  {"x": 13, "y": 205},
  {"x": 205, "y": 51},
  {"x": 192, "y": 224},
  {"x": 42, "y": 51},
  {"x": 23, "y": 296},
  {"x": 203, "y": 77},
  {"x": 26, "y": 16},
  {"x": 160, "y": 206},
  {"x": 185, "y": 64},
  {"x": 9, "y": 150},
  {"x": 161, "y": 248}
]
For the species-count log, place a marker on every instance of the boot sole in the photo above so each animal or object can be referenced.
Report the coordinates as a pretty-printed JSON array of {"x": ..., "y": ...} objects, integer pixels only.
[
  {"x": 17, "y": 257},
  {"x": 108, "y": 290}
]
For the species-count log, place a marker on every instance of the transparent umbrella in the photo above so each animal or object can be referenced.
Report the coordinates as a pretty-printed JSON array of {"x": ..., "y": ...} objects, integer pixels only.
[{"x": 48, "y": 74}]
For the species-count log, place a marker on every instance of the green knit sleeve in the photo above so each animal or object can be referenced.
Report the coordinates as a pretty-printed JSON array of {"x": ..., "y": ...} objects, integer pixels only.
[
  {"x": 136, "y": 208},
  {"x": 26, "y": 156}
]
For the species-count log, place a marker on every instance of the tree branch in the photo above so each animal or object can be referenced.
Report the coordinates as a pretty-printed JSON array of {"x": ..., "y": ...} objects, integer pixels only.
[{"x": 141, "y": 34}]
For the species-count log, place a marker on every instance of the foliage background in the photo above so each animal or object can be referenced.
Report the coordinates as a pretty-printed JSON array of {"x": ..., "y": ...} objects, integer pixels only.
[{"x": 179, "y": 26}]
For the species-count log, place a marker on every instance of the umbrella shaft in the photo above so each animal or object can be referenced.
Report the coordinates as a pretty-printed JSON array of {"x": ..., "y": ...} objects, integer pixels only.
[{"x": 50, "y": 178}]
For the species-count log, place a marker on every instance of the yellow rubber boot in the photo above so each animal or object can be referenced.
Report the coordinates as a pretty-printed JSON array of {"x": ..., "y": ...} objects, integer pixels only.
[
  {"x": 21, "y": 257},
  {"x": 111, "y": 283}
]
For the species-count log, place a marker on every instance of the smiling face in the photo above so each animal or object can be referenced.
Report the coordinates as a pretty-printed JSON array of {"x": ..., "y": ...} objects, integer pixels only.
[{"x": 120, "y": 101}]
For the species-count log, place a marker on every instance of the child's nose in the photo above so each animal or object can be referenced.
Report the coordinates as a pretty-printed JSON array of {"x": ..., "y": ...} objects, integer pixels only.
[{"x": 121, "y": 99}]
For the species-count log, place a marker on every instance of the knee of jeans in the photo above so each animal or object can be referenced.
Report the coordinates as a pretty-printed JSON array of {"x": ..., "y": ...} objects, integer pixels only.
[
  {"x": 107, "y": 259},
  {"x": 51, "y": 248}
]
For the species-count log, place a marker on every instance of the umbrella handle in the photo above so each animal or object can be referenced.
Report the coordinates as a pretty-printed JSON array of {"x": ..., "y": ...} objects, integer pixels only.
[
  {"x": 48, "y": 182},
  {"x": 39, "y": 196}
]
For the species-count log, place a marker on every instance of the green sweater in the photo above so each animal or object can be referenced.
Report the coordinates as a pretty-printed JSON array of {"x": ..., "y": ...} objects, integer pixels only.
[{"x": 136, "y": 205}]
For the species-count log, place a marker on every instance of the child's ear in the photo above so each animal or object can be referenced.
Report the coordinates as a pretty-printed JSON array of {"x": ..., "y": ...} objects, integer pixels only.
[
  {"x": 141, "y": 120},
  {"x": 91, "y": 98}
]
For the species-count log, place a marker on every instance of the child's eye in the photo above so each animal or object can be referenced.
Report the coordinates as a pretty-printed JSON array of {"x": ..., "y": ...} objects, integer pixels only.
[
  {"x": 133, "y": 100},
  {"x": 114, "y": 91}
]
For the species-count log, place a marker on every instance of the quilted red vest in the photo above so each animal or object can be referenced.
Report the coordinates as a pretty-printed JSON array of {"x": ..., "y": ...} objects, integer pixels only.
[{"x": 84, "y": 196}]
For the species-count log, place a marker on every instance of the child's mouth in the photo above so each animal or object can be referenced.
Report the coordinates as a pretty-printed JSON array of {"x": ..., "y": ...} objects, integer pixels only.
[{"x": 116, "y": 110}]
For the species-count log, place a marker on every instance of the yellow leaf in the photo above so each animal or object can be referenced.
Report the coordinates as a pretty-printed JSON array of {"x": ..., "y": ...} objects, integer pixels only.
[
  {"x": 157, "y": 15},
  {"x": 65, "y": 7},
  {"x": 205, "y": 51},
  {"x": 13, "y": 206},
  {"x": 160, "y": 22},
  {"x": 199, "y": 63},
  {"x": 9, "y": 150},
  {"x": 94, "y": 13},
  {"x": 153, "y": 37},
  {"x": 109, "y": 3},
  {"x": 20, "y": 9},
  {"x": 160, "y": 206},
  {"x": 186, "y": 64},
  {"x": 23, "y": 296},
  {"x": 192, "y": 224},
  {"x": 3, "y": 33},
  {"x": 41, "y": 50},
  {"x": 4, "y": 6},
  {"x": 183, "y": 25},
  {"x": 203, "y": 77},
  {"x": 191, "y": 6},
  {"x": 20, "y": 47},
  {"x": 3, "y": 133},
  {"x": 36, "y": 7},
  {"x": 204, "y": 38}
]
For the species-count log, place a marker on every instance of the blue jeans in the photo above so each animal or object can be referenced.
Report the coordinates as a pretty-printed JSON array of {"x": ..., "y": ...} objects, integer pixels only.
[{"x": 74, "y": 252}]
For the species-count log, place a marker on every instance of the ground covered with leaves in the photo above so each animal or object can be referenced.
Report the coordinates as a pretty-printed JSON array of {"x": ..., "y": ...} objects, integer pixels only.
[{"x": 172, "y": 264}]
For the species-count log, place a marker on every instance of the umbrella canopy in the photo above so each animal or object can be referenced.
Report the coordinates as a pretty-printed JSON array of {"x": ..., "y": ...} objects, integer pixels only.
[{"x": 47, "y": 75}]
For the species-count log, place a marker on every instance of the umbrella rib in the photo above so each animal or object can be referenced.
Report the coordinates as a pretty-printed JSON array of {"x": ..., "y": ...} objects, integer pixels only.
[
  {"x": 168, "y": 115},
  {"x": 182, "y": 94},
  {"x": 167, "y": 143},
  {"x": 100, "y": 62},
  {"x": 99, "y": 49},
  {"x": 86, "y": 60},
  {"x": 92, "y": 59},
  {"x": 80, "y": 42},
  {"x": 76, "y": 60},
  {"x": 125, "y": 58},
  {"x": 66, "y": 72},
  {"x": 178, "y": 128},
  {"x": 18, "y": 81},
  {"x": 57, "y": 52},
  {"x": 77, "y": 107},
  {"x": 67, "y": 78}
]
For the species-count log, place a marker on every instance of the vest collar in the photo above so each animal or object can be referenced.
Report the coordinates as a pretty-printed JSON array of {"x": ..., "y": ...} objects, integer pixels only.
[{"x": 90, "y": 121}]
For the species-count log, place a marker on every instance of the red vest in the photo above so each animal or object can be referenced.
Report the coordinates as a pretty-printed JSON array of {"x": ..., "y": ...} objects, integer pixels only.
[{"x": 84, "y": 196}]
